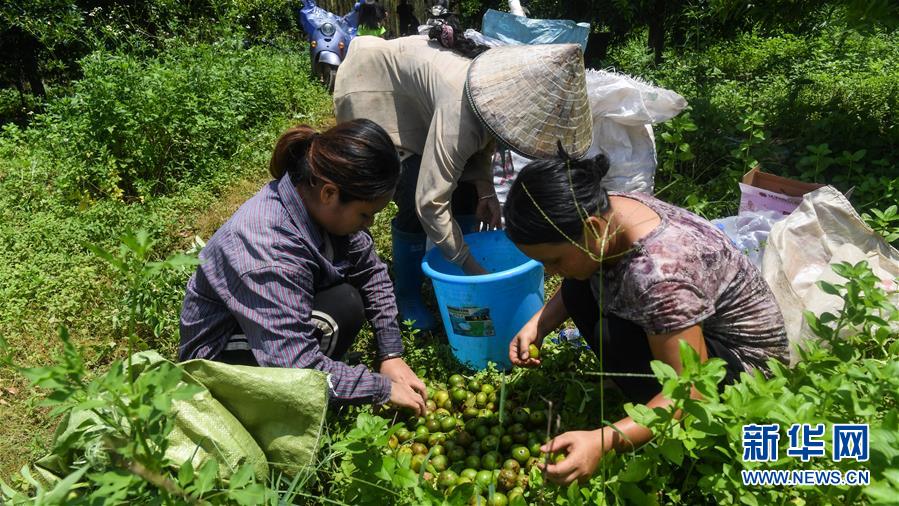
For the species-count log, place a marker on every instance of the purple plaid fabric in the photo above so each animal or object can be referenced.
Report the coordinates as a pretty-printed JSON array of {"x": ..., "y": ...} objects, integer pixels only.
[{"x": 259, "y": 276}]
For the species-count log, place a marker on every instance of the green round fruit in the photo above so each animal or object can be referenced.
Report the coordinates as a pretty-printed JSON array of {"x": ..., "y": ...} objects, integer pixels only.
[
  {"x": 419, "y": 449},
  {"x": 498, "y": 499},
  {"x": 534, "y": 448},
  {"x": 521, "y": 454},
  {"x": 438, "y": 450},
  {"x": 512, "y": 465},
  {"x": 474, "y": 385},
  {"x": 519, "y": 436},
  {"x": 515, "y": 492},
  {"x": 473, "y": 461},
  {"x": 497, "y": 430},
  {"x": 421, "y": 434},
  {"x": 523, "y": 481},
  {"x": 559, "y": 457},
  {"x": 447, "y": 423},
  {"x": 404, "y": 450},
  {"x": 417, "y": 461},
  {"x": 481, "y": 432},
  {"x": 530, "y": 463},
  {"x": 459, "y": 394},
  {"x": 489, "y": 443},
  {"x": 480, "y": 399},
  {"x": 520, "y": 415},
  {"x": 484, "y": 478},
  {"x": 436, "y": 438},
  {"x": 433, "y": 425},
  {"x": 470, "y": 412},
  {"x": 447, "y": 479},
  {"x": 490, "y": 460},
  {"x": 506, "y": 442},
  {"x": 456, "y": 380},
  {"x": 440, "y": 462},
  {"x": 457, "y": 454},
  {"x": 538, "y": 418},
  {"x": 533, "y": 351},
  {"x": 440, "y": 396},
  {"x": 469, "y": 473},
  {"x": 491, "y": 406},
  {"x": 441, "y": 413},
  {"x": 431, "y": 406},
  {"x": 403, "y": 435},
  {"x": 507, "y": 479},
  {"x": 477, "y": 500},
  {"x": 491, "y": 397},
  {"x": 487, "y": 388},
  {"x": 463, "y": 438},
  {"x": 487, "y": 416}
]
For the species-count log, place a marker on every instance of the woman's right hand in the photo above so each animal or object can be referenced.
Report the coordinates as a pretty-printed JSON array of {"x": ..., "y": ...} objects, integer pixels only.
[
  {"x": 403, "y": 396},
  {"x": 518, "y": 348}
]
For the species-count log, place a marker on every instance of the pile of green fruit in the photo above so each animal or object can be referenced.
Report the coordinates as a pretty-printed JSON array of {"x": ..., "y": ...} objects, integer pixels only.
[{"x": 463, "y": 438}]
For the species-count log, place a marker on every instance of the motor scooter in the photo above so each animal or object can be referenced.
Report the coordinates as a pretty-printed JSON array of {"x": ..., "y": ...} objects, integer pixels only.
[
  {"x": 437, "y": 14},
  {"x": 329, "y": 37}
]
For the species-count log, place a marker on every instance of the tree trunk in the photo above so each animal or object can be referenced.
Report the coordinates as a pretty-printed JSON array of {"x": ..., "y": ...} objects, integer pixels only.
[{"x": 657, "y": 29}]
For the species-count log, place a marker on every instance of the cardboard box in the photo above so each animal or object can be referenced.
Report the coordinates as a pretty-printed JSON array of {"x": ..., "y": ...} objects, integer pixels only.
[{"x": 761, "y": 191}]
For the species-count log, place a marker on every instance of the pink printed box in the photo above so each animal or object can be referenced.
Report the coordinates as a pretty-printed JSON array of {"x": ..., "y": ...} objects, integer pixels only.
[{"x": 761, "y": 191}]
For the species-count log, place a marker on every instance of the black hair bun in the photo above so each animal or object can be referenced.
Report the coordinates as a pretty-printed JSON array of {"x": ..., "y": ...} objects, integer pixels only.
[{"x": 599, "y": 164}]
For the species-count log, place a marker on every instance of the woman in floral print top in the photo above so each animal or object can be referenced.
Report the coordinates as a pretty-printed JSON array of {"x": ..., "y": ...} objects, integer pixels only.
[{"x": 640, "y": 275}]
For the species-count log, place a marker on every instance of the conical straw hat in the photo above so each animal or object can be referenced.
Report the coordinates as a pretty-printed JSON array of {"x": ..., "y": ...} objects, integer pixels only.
[{"x": 532, "y": 96}]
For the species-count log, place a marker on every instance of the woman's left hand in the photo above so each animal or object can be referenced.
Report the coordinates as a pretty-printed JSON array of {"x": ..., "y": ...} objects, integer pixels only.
[
  {"x": 582, "y": 449},
  {"x": 397, "y": 370}
]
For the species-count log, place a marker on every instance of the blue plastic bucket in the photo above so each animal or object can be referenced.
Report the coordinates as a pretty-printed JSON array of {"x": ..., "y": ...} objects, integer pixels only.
[{"x": 481, "y": 314}]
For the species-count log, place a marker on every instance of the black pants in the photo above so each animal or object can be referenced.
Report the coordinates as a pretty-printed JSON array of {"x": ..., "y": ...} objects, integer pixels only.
[
  {"x": 337, "y": 314},
  {"x": 464, "y": 200},
  {"x": 625, "y": 347}
]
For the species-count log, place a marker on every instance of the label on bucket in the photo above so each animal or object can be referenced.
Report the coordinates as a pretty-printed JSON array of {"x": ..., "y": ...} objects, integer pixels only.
[{"x": 471, "y": 321}]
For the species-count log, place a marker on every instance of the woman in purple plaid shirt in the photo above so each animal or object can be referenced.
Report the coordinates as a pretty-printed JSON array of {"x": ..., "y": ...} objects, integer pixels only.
[{"x": 290, "y": 278}]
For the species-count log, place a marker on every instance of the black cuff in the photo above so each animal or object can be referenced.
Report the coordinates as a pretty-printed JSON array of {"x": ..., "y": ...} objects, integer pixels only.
[{"x": 388, "y": 356}]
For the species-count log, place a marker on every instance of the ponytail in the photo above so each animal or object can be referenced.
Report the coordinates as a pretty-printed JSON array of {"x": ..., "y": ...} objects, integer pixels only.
[
  {"x": 550, "y": 199},
  {"x": 357, "y": 156},
  {"x": 289, "y": 155}
]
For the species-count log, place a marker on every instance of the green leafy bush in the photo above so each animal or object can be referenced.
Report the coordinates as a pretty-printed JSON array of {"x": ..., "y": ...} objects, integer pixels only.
[
  {"x": 135, "y": 128},
  {"x": 833, "y": 87}
]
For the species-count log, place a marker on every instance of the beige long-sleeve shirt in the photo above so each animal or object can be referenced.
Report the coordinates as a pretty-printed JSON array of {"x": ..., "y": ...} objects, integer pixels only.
[{"x": 414, "y": 89}]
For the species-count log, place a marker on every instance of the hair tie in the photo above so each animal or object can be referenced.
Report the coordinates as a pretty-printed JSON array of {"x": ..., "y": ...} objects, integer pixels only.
[{"x": 446, "y": 36}]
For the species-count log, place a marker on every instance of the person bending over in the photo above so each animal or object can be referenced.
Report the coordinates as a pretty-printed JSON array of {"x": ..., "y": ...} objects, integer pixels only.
[{"x": 640, "y": 275}]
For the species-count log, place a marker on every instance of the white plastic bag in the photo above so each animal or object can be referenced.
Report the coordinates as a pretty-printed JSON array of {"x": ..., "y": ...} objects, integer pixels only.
[
  {"x": 749, "y": 232},
  {"x": 624, "y": 110},
  {"x": 823, "y": 230}
]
